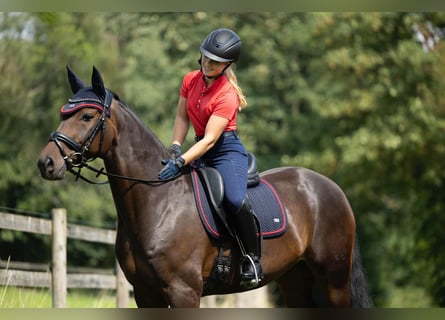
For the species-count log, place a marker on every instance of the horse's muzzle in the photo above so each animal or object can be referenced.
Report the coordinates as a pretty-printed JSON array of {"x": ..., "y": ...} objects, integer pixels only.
[{"x": 51, "y": 167}]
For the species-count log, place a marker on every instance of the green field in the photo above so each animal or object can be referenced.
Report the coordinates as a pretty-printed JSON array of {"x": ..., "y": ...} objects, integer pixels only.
[{"x": 15, "y": 297}]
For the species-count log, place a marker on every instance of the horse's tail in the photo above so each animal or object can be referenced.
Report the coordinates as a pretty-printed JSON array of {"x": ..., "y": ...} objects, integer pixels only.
[{"x": 360, "y": 294}]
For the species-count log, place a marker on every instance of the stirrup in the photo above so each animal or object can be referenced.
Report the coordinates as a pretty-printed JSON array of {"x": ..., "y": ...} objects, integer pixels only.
[{"x": 246, "y": 280}]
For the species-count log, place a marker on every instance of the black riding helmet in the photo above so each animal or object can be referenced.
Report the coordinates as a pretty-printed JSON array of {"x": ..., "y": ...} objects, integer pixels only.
[{"x": 222, "y": 45}]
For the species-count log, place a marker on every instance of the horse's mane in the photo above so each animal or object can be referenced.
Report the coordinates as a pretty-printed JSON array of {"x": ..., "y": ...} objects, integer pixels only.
[
  {"x": 118, "y": 98},
  {"x": 128, "y": 109}
]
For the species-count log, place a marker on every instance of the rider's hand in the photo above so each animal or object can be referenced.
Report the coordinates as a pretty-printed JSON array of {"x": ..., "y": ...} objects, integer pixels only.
[
  {"x": 175, "y": 150},
  {"x": 172, "y": 168}
]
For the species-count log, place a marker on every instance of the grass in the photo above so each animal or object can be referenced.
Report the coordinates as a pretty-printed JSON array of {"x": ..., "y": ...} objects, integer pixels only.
[
  {"x": 408, "y": 297},
  {"x": 16, "y": 297}
]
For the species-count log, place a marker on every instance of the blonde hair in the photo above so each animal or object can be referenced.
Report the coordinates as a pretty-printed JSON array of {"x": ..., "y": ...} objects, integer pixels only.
[{"x": 230, "y": 74}]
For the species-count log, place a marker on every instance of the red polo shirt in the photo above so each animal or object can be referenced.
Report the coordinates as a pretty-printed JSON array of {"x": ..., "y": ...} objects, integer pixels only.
[{"x": 219, "y": 99}]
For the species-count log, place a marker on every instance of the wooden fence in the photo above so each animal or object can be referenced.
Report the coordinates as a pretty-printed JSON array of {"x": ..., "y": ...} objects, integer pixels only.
[
  {"x": 56, "y": 276},
  {"x": 59, "y": 277}
]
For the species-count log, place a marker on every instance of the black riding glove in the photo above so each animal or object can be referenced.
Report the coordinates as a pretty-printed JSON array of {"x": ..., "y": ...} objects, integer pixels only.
[
  {"x": 172, "y": 168},
  {"x": 175, "y": 150}
]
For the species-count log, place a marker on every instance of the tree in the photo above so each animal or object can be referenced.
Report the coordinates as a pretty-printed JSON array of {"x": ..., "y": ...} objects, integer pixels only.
[{"x": 380, "y": 138}]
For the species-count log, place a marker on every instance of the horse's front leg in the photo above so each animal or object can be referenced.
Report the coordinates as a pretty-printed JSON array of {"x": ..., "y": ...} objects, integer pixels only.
[
  {"x": 185, "y": 283},
  {"x": 182, "y": 295},
  {"x": 147, "y": 296},
  {"x": 177, "y": 294},
  {"x": 166, "y": 282}
]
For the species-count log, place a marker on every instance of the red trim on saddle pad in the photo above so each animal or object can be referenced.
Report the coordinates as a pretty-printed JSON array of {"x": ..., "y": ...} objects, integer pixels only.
[{"x": 265, "y": 202}]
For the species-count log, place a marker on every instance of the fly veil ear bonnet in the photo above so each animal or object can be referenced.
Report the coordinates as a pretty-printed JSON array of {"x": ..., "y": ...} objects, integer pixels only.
[{"x": 96, "y": 96}]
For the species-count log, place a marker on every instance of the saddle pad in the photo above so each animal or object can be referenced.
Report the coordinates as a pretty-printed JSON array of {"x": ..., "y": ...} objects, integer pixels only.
[{"x": 265, "y": 203}]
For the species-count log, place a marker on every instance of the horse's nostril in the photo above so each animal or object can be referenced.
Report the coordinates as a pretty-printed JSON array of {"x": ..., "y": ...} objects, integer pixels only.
[
  {"x": 49, "y": 164},
  {"x": 46, "y": 165}
]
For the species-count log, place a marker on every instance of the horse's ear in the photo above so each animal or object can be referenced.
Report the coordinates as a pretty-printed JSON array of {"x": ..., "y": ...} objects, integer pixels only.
[
  {"x": 75, "y": 82},
  {"x": 98, "y": 84}
]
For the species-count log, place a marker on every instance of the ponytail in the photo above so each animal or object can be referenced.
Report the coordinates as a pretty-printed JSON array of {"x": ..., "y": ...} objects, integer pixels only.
[{"x": 230, "y": 74}]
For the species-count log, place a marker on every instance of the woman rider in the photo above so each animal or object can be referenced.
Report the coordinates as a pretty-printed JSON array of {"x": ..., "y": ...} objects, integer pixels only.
[{"x": 210, "y": 99}]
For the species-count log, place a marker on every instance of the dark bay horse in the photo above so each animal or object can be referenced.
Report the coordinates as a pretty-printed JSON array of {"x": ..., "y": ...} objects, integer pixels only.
[{"x": 161, "y": 243}]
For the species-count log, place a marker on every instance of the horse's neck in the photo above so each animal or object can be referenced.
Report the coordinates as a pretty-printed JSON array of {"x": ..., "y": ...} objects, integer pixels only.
[{"x": 137, "y": 152}]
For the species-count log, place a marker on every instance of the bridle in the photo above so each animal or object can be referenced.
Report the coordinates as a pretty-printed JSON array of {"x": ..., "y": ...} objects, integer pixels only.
[{"x": 79, "y": 158}]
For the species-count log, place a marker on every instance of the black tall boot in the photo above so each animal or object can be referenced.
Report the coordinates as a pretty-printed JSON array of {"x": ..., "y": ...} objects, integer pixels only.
[{"x": 246, "y": 230}]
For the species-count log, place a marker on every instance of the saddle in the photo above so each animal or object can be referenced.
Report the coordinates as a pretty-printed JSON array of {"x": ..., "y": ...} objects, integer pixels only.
[{"x": 209, "y": 196}]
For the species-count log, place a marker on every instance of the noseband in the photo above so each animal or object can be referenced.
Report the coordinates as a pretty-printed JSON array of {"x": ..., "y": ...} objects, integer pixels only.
[{"x": 80, "y": 156}]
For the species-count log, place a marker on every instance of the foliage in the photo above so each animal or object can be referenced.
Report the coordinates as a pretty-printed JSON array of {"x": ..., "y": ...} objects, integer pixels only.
[{"x": 351, "y": 95}]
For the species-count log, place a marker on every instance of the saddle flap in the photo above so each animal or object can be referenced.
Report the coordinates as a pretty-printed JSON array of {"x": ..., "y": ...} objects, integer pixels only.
[{"x": 214, "y": 186}]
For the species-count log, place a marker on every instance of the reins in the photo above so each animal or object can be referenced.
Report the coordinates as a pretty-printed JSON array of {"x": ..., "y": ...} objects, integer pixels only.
[{"x": 100, "y": 172}]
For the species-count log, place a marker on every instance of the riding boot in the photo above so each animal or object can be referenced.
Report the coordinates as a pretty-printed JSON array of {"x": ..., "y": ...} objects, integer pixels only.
[{"x": 246, "y": 230}]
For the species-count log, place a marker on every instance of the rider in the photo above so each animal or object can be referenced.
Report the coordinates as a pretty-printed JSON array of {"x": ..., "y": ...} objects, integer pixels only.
[{"x": 210, "y": 99}]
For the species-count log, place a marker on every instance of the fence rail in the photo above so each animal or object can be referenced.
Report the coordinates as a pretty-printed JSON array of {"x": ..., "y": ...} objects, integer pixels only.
[
  {"x": 56, "y": 276},
  {"x": 43, "y": 226}
]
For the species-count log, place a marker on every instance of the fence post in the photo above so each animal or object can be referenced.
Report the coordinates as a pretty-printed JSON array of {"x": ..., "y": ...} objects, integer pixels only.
[
  {"x": 122, "y": 294},
  {"x": 59, "y": 270}
]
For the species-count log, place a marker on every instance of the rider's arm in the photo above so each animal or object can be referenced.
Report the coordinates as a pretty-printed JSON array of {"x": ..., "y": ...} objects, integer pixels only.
[
  {"x": 214, "y": 128},
  {"x": 182, "y": 121}
]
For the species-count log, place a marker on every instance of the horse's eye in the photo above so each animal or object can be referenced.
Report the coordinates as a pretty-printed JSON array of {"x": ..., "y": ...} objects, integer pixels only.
[{"x": 87, "y": 117}]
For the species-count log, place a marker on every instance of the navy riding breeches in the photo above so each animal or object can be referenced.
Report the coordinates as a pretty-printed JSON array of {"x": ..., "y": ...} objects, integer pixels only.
[{"x": 229, "y": 157}]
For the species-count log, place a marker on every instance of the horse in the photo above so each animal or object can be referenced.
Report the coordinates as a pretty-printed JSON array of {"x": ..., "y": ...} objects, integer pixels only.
[{"x": 161, "y": 245}]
